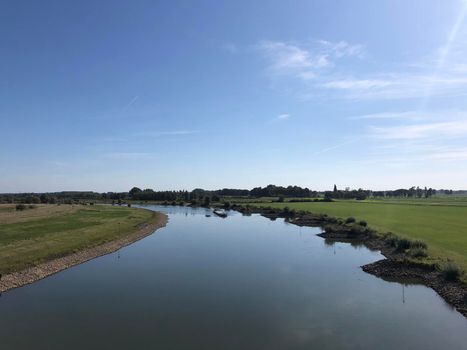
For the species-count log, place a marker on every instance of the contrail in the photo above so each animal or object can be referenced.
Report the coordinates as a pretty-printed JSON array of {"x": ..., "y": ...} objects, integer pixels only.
[
  {"x": 130, "y": 103},
  {"x": 444, "y": 55},
  {"x": 324, "y": 150}
]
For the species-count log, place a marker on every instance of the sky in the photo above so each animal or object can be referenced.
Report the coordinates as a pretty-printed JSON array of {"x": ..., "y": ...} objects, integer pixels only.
[{"x": 107, "y": 95}]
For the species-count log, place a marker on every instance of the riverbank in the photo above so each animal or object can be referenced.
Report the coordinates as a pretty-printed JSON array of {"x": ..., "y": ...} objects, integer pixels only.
[
  {"x": 100, "y": 231},
  {"x": 399, "y": 265}
]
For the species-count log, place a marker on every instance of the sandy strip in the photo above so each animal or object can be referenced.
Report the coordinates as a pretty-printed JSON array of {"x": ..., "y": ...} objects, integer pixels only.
[{"x": 32, "y": 274}]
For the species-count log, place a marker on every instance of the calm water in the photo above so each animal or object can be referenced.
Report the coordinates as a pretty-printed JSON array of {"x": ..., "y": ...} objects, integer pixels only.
[{"x": 235, "y": 283}]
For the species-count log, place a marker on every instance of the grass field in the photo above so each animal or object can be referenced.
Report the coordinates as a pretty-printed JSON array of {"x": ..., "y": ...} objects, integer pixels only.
[
  {"x": 37, "y": 235},
  {"x": 441, "y": 224}
]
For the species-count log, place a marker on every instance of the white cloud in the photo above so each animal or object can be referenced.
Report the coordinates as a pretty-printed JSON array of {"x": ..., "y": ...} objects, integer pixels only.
[
  {"x": 305, "y": 61},
  {"x": 400, "y": 86},
  {"x": 282, "y": 117},
  {"x": 343, "y": 48},
  {"x": 409, "y": 115},
  {"x": 451, "y": 129}
]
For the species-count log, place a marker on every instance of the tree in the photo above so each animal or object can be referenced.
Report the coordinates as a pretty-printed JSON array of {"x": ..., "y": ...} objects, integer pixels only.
[
  {"x": 135, "y": 191},
  {"x": 335, "y": 188},
  {"x": 44, "y": 198}
]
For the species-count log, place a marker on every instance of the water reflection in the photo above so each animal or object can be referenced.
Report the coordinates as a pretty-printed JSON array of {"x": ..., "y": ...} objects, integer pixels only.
[{"x": 204, "y": 282}]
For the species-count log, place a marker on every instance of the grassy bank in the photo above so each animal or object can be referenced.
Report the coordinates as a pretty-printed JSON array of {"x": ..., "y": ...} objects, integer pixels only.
[
  {"x": 40, "y": 234},
  {"x": 443, "y": 226}
]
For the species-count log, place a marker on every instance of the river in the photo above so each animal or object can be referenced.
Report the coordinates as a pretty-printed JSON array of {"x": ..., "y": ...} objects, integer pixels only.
[{"x": 243, "y": 282}]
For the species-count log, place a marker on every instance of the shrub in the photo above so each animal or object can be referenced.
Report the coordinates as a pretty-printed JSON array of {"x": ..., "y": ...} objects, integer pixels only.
[
  {"x": 363, "y": 223},
  {"x": 357, "y": 229},
  {"x": 403, "y": 244},
  {"x": 391, "y": 238},
  {"x": 418, "y": 253},
  {"x": 20, "y": 207},
  {"x": 350, "y": 220},
  {"x": 418, "y": 244},
  {"x": 32, "y": 206},
  {"x": 129, "y": 205},
  {"x": 451, "y": 272}
]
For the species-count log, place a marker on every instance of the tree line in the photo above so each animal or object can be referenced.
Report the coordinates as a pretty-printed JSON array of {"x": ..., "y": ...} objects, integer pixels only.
[{"x": 202, "y": 196}]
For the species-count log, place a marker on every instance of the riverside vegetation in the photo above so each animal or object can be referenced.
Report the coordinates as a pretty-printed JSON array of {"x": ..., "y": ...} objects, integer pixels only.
[{"x": 33, "y": 235}]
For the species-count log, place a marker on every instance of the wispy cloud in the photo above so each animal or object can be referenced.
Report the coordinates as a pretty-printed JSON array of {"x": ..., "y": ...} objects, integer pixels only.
[
  {"x": 176, "y": 132},
  {"x": 156, "y": 133},
  {"x": 305, "y": 61},
  {"x": 281, "y": 117},
  {"x": 411, "y": 115},
  {"x": 343, "y": 48},
  {"x": 126, "y": 155},
  {"x": 319, "y": 69},
  {"x": 452, "y": 129},
  {"x": 398, "y": 86}
]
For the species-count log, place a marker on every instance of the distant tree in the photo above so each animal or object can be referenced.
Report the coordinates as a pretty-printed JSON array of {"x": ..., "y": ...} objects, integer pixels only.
[
  {"x": 207, "y": 201},
  {"x": 134, "y": 192},
  {"x": 44, "y": 198},
  {"x": 335, "y": 188}
]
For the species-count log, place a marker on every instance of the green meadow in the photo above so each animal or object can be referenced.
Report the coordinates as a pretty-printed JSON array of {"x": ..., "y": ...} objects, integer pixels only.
[
  {"x": 46, "y": 232},
  {"x": 442, "y": 224}
]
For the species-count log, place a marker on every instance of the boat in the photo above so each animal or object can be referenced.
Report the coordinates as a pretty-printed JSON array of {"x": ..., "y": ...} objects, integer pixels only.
[{"x": 220, "y": 212}]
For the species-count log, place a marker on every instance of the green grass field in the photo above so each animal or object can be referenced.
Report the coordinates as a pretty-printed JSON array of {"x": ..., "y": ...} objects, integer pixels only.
[
  {"x": 37, "y": 235},
  {"x": 442, "y": 225}
]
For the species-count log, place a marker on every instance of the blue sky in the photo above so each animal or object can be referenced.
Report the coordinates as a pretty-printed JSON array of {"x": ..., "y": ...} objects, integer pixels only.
[{"x": 105, "y": 95}]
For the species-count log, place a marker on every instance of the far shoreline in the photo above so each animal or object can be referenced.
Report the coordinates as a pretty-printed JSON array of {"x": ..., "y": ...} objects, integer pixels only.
[{"x": 35, "y": 273}]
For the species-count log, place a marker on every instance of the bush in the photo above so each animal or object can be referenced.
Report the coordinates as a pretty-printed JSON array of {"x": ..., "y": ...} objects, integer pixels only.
[
  {"x": 129, "y": 205},
  {"x": 451, "y": 272},
  {"x": 32, "y": 206},
  {"x": 418, "y": 253},
  {"x": 403, "y": 244},
  {"x": 363, "y": 223},
  {"x": 20, "y": 207},
  {"x": 357, "y": 230},
  {"x": 391, "y": 238},
  {"x": 418, "y": 244},
  {"x": 350, "y": 220}
]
